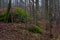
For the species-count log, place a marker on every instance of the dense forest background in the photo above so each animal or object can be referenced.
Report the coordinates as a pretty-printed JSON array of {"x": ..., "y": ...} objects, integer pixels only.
[{"x": 36, "y": 16}]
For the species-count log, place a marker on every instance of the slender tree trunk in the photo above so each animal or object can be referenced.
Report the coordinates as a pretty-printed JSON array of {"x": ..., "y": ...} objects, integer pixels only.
[
  {"x": 49, "y": 11},
  {"x": 37, "y": 11},
  {"x": 8, "y": 9},
  {"x": 47, "y": 25},
  {"x": 33, "y": 13},
  {"x": 46, "y": 11},
  {"x": 0, "y": 3},
  {"x": 30, "y": 9},
  {"x": 50, "y": 17}
]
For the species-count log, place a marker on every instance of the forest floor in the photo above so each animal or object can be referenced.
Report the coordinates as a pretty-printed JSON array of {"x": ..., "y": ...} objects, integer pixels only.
[{"x": 11, "y": 31}]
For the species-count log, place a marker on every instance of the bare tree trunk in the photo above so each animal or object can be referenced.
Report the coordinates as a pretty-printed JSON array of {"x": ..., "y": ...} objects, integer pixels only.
[
  {"x": 37, "y": 11},
  {"x": 33, "y": 13},
  {"x": 50, "y": 17},
  {"x": 0, "y": 3},
  {"x": 46, "y": 11},
  {"x": 8, "y": 9},
  {"x": 30, "y": 9},
  {"x": 46, "y": 17},
  {"x": 49, "y": 11}
]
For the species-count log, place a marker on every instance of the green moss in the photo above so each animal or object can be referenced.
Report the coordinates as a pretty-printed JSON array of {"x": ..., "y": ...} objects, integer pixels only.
[
  {"x": 22, "y": 15},
  {"x": 35, "y": 29},
  {"x": 3, "y": 16},
  {"x": 19, "y": 14}
]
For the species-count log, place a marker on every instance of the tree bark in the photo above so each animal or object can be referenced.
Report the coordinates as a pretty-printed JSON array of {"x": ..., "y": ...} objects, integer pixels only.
[
  {"x": 37, "y": 11},
  {"x": 33, "y": 12},
  {"x": 8, "y": 9},
  {"x": 49, "y": 11}
]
